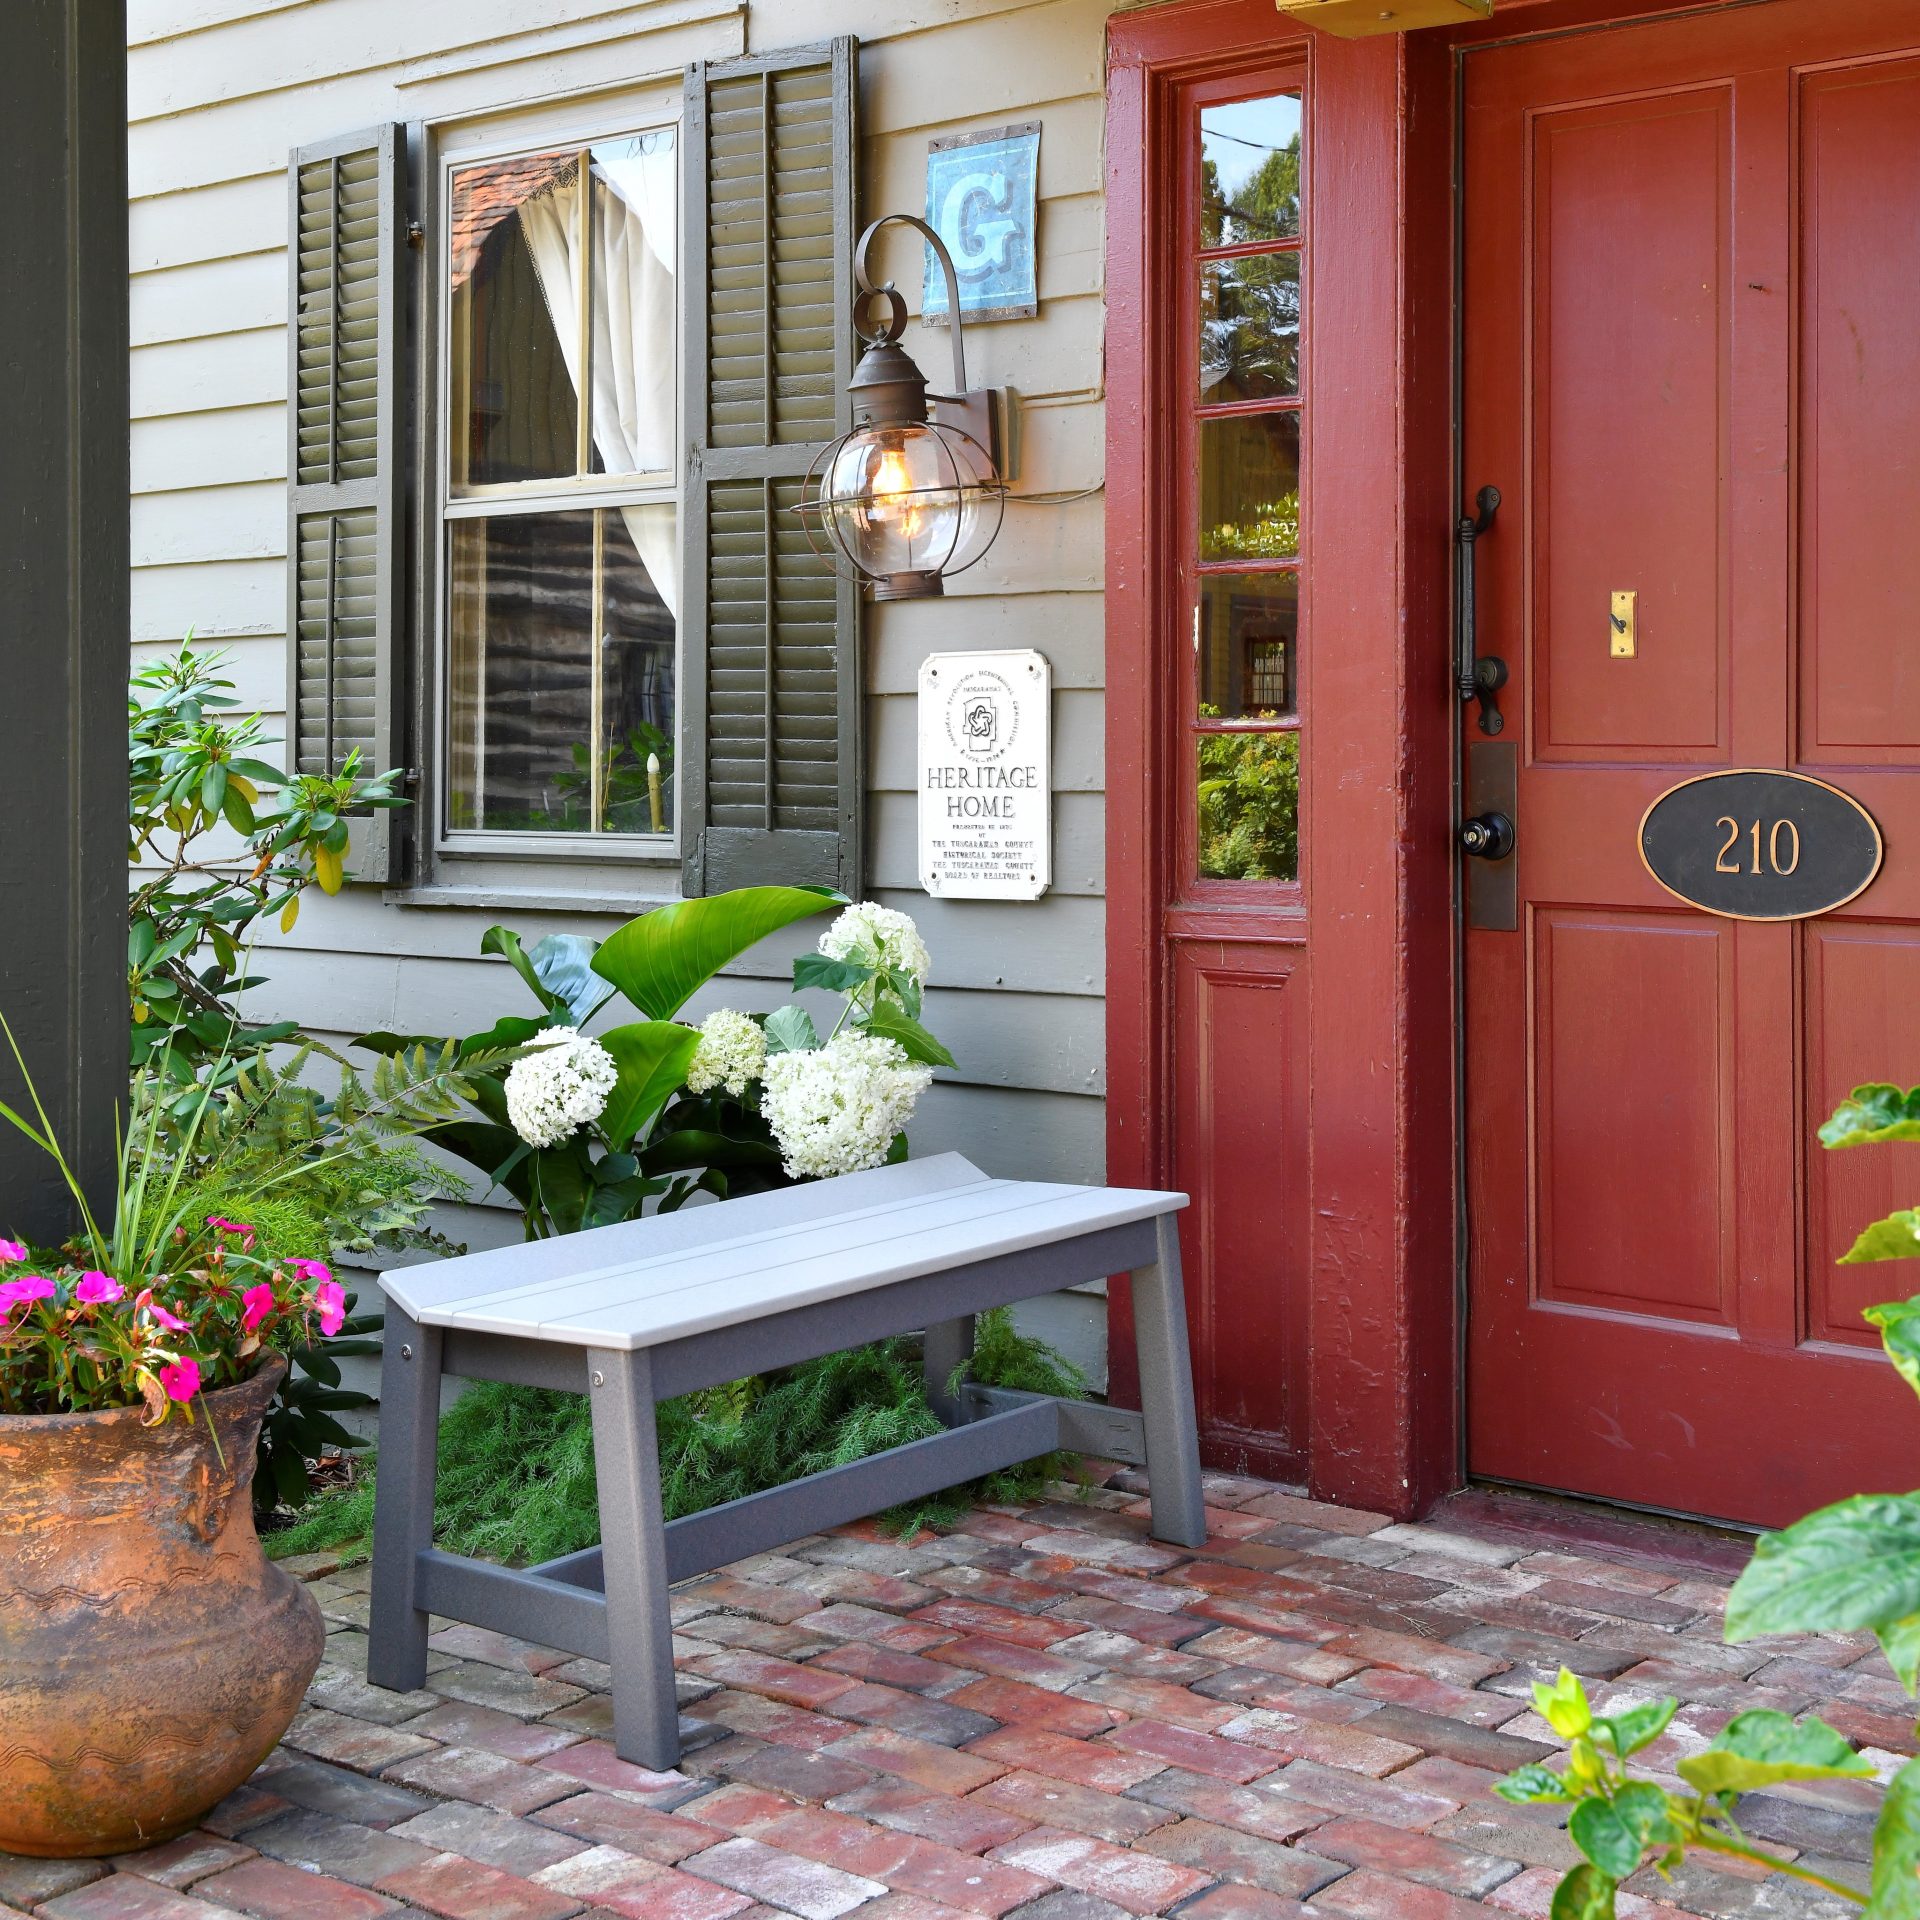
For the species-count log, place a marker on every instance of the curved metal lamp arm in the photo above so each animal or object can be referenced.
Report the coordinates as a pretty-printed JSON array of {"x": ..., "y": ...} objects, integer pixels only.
[{"x": 887, "y": 290}]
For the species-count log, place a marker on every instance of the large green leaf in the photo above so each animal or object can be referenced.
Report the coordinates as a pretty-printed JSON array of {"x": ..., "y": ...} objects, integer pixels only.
[
  {"x": 559, "y": 970},
  {"x": 1896, "y": 1850},
  {"x": 1897, "y": 1237},
  {"x": 1585, "y": 1894},
  {"x": 653, "y": 1057},
  {"x": 791, "y": 1030},
  {"x": 1759, "y": 1748},
  {"x": 663, "y": 958},
  {"x": 913, "y": 1039},
  {"x": 1853, "y": 1565},
  {"x": 1899, "y": 1324},
  {"x": 1872, "y": 1114},
  {"x": 1614, "y": 1834}
]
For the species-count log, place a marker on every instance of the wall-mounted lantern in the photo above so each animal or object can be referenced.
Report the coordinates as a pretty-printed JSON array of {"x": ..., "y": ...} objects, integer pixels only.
[
  {"x": 1355, "y": 19},
  {"x": 914, "y": 493}
]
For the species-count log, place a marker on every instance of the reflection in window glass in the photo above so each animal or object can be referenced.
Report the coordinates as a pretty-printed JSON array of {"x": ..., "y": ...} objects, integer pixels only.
[
  {"x": 523, "y": 260},
  {"x": 1249, "y": 328},
  {"x": 562, "y": 683},
  {"x": 1249, "y": 805},
  {"x": 1250, "y": 487},
  {"x": 1250, "y": 171},
  {"x": 514, "y": 416},
  {"x": 1248, "y": 645}
]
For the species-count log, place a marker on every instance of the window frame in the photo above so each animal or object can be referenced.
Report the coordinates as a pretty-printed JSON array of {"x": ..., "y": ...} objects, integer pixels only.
[{"x": 499, "y": 856}]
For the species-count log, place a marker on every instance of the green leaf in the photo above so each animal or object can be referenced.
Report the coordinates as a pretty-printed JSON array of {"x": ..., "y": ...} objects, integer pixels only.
[
  {"x": 1872, "y": 1114},
  {"x": 1532, "y": 1786},
  {"x": 1848, "y": 1566},
  {"x": 1563, "y": 1706},
  {"x": 1896, "y": 1850},
  {"x": 791, "y": 1030},
  {"x": 914, "y": 1040},
  {"x": 1897, "y": 1237},
  {"x": 1637, "y": 1727},
  {"x": 1585, "y": 1894},
  {"x": 1900, "y": 1642},
  {"x": 1899, "y": 1324},
  {"x": 1615, "y": 1834},
  {"x": 830, "y": 976},
  {"x": 239, "y": 814},
  {"x": 663, "y": 958},
  {"x": 559, "y": 970},
  {"x": 653, "y": 1057},
  {"x": 1758, "y": 1748}
]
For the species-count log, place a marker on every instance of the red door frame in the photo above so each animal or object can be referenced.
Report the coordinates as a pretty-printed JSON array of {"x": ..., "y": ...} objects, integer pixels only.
[{"x": 1381, "y": 1324}]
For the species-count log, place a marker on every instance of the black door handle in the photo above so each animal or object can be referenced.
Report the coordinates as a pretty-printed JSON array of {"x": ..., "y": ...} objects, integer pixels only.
[
  {"x": 1480, "y": 677},
  {"x": 1488, "y": 836}
]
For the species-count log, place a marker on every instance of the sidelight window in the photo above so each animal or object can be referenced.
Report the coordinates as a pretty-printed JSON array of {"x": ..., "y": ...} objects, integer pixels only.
[{"x": 1243, "y": 530}]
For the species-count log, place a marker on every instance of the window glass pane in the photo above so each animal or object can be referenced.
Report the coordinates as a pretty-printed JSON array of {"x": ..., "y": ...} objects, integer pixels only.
[
  {"x": 1250, "y": 487},
  {"x": 515, "y": 326},
  {"x": 1250, "y": 171},
  {"x": 635, "y": 187},
  {"x": 1248, "y": 636},
  {"x": 551, "y": 731},
  {"x": 1249, "y": 805},
  {"x": 1249, "y": 328}
]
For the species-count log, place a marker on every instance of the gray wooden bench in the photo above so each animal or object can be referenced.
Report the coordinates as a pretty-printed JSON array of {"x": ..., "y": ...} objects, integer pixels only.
[{"x": 641, "y": 1312}]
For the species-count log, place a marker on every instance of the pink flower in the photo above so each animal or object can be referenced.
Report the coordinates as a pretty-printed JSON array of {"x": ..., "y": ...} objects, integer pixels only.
[
  {"x": 311, "y": 1269},
  {"x": 257, "y": 1303},
  {"x": 30, "y": 1286},
  {"x": 144, "y": 1302},
  {"x": 12, "y": 1250},
  {"x": 95, "y": 1288},
  {"x": 181, "y": 1379},
  {"x": 220, "y": 1224},
  {"x": 331, "y": 1298}
]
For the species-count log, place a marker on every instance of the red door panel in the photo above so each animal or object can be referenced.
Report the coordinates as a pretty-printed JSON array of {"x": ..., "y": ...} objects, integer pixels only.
[{"x": 1692, "y": 368}]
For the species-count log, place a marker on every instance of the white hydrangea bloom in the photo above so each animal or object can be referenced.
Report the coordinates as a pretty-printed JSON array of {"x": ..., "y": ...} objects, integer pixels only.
[
  {"x": 835, "y": 1109},
  {"x": 881, "y": 937},
  {"x": 561, "y": 1088},
  {"x": 732, "y": 1051}
]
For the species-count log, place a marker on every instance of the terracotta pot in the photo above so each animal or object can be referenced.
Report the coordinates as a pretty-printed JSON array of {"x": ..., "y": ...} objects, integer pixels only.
[{"x": 150, "y": 1653}]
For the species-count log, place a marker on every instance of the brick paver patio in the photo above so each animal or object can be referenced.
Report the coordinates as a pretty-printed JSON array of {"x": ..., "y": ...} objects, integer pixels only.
[{"x": 1042, "y": 1714}]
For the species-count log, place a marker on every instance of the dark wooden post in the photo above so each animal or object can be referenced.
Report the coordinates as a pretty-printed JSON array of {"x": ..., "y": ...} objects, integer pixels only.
[{"x": 63, "y": 588}]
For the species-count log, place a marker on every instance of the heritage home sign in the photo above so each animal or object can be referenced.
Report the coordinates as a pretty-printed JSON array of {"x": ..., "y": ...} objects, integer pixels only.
[
  {"x": 1757, "y": 844},
  {"x": 986, "y": 775}
]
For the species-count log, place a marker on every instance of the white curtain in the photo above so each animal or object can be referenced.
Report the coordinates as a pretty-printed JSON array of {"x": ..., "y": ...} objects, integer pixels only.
[{"x": 631, "y": 232}]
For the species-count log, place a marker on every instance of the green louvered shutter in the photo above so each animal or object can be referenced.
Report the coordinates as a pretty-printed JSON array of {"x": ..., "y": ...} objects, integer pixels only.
[
  {"x": 771, "y": 754},
  {"x": 347, "y": 235}
]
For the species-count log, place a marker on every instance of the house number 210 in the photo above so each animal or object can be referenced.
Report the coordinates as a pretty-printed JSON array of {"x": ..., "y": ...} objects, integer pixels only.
[{"x": 1783, "y": 847}]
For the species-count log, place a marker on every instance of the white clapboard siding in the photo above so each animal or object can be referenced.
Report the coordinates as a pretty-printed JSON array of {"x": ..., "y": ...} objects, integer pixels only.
[{"x": 221, "y": 89}]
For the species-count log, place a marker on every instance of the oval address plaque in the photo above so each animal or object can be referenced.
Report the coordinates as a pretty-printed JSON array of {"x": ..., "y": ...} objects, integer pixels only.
[{"x": 1760, "y": 845}]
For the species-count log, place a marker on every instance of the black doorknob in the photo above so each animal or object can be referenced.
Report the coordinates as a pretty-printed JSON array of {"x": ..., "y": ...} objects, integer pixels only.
[{"x": 1488, "y": 836}]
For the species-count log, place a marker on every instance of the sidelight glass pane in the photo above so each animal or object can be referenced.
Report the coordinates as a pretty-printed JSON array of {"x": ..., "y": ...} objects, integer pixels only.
[
  {"x": 550, "y": 731},
  {"x": 1249, "y": 805},
  {"x": 1250, "y": 171},
  {"x": 1250, "y": 487},
  {"x": 514, "y": 234},
  {"x": 1250, "y": 328},
  {"x": 1248, "y": 640}
]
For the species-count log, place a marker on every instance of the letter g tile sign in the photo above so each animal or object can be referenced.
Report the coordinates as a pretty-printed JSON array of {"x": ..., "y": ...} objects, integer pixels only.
[
  {"x": 986, "y": 775},
  {"x": 981, "y": 200}
]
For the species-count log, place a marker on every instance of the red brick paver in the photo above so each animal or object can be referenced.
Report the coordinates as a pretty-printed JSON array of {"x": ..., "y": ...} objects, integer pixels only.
[{"x": 1042, "y": 1715}]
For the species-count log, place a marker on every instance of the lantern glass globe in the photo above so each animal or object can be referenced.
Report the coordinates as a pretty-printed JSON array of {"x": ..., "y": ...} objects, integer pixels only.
[{"x": 905, "y": 501}]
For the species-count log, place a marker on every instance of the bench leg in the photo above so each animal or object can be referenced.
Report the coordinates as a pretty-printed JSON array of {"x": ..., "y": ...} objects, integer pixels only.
[
  {"x": 403, "y": 1500},
  {"x": 633, "y": 1547},
  {"x": 1166, "y": 1394},
  {"x": 945, "y": 1347}
]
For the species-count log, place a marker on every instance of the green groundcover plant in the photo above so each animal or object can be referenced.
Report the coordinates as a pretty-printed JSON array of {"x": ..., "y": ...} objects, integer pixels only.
[{"x": 1852, "y": 1567}]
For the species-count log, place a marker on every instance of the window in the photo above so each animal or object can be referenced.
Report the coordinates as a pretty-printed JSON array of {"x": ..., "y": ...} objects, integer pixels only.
[
  {"x": 1243, "y": 529},
  {"x": 561, "y": 511}
]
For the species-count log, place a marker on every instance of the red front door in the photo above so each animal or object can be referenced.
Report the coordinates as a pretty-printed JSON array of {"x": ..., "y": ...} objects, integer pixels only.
[{"x": 1692, "y": 367}]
